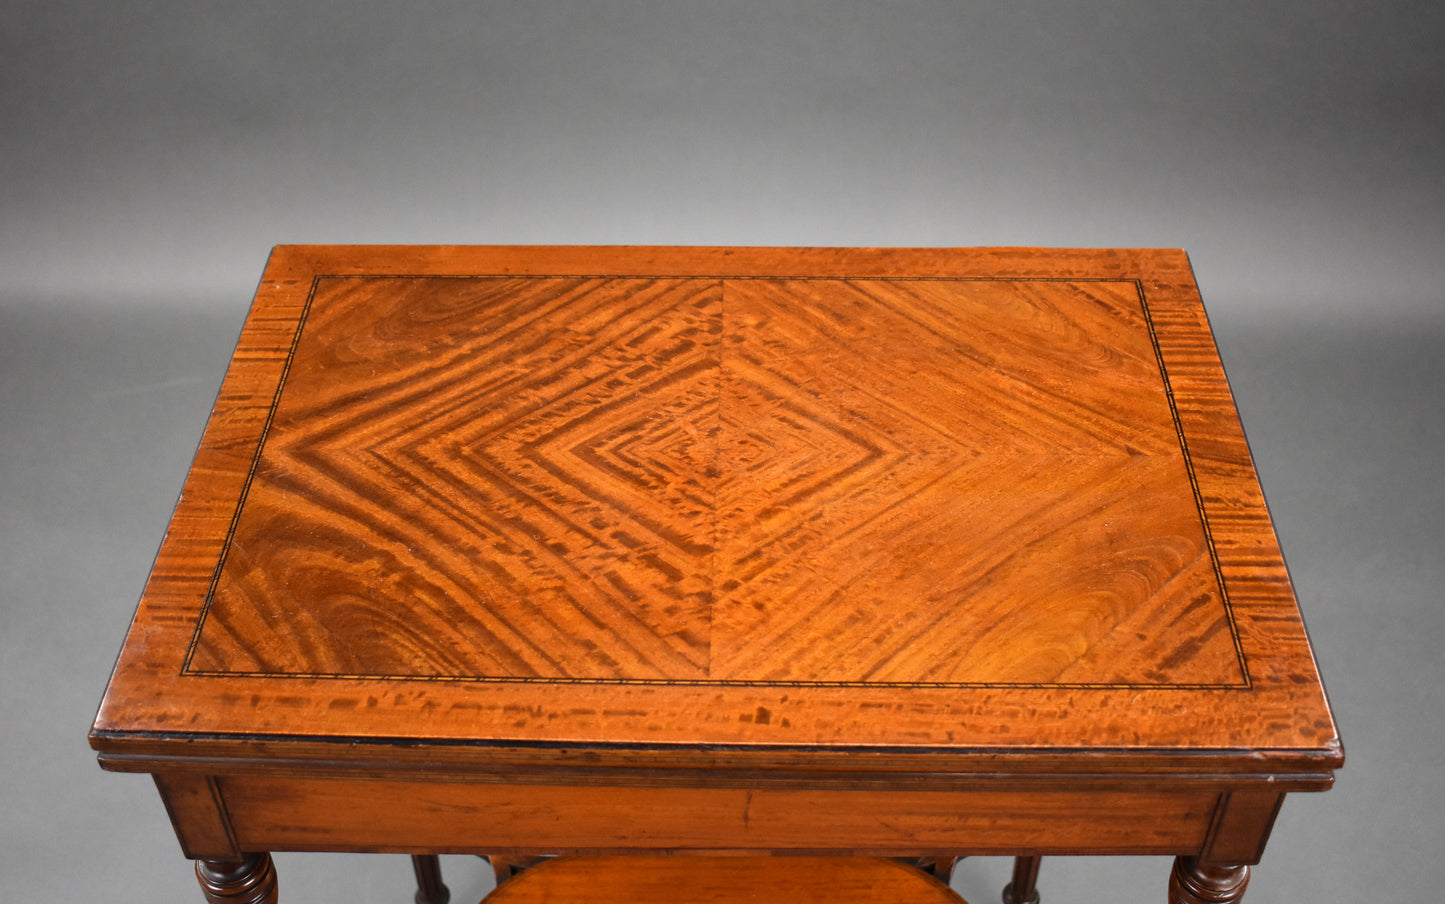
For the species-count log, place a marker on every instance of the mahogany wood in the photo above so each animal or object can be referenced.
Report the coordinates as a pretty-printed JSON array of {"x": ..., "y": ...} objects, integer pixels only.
[
  {"x": 249, "y": 880},
  {"x": 422, "y": 816},
  {"x": 1194, "y": 881},
  {"x": 723, "y": 880},
  {"x": 430, "y": 889},
  {"x": 940, "y": 868},
  {"x": 198, "y": 814},
  {"x": 517, "y": 551},
  {"x": 504, "y": 868},
  {"x": 1023, "y": 889}
]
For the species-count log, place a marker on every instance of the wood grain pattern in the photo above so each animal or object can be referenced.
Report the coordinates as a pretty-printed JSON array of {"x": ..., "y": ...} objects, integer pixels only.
[
  {"x": 612, "y": 480},
  {"x": 724, "y": 880},
  {"x": 283, "y": 814},
  {"x": 198, "y": 814},
  {"x": 982, "y": 503}
]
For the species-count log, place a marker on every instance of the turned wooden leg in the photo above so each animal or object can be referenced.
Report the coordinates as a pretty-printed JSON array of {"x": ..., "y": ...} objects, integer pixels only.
[
  {"x": 250, "y": 880},
  {"x": 430, "y": 889},
  {"x": 1022, "y": 889},
  {"x": 1196, "y": 882}
]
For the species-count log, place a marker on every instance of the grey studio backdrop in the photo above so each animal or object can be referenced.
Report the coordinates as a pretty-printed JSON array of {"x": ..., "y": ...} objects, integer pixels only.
[{"x": 152, "y": 152}]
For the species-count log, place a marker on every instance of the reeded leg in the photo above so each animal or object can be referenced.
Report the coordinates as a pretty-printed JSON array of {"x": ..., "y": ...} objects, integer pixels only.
[
  {"x": 1022, "y": 889},
  {"x": 1196, "y": 882},
  {"x": 430, "y": 889},
  {"x": 250, "y": 880}
]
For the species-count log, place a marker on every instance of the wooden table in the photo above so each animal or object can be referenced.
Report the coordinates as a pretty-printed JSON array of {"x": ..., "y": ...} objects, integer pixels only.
[{"x": 900, "y": 552}]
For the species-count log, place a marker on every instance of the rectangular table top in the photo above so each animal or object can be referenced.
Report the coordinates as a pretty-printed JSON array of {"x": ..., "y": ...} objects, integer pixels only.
[{"x": 987, "y": 509}]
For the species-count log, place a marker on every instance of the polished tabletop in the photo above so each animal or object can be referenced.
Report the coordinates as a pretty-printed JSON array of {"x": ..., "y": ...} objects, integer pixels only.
[{"x": 969, "y": 502}]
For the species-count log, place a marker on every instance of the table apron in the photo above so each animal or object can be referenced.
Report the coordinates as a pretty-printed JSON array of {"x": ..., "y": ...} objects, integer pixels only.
[{"x": 220, "y": 816}]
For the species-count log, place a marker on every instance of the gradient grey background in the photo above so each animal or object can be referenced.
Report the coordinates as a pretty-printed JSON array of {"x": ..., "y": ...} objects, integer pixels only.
[{"x": 151, "y": 153}]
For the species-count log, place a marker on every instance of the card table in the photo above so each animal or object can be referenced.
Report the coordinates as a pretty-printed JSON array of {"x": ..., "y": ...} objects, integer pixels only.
[{"x": 827, "y": 552}]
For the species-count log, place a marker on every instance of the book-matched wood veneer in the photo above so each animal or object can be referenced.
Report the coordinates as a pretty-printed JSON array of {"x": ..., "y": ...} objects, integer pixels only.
[{"x": 971, "y": 537}]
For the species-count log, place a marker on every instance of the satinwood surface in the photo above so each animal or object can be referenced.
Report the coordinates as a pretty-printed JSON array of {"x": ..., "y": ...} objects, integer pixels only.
[{"x": 973, "y": 502}]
